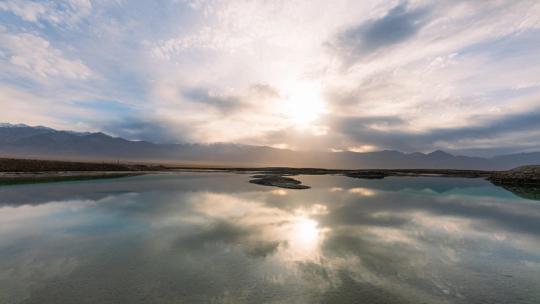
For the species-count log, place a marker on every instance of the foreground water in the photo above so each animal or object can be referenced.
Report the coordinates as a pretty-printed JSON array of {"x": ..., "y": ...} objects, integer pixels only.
[{"x": 215, "y": 238}]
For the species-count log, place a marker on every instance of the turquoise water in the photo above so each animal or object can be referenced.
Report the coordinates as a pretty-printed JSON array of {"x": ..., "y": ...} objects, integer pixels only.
[{"x": 215, "y": 238}]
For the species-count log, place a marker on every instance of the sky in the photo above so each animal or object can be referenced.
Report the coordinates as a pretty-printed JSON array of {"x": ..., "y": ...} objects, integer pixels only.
[{"x": 462, "y": 76}]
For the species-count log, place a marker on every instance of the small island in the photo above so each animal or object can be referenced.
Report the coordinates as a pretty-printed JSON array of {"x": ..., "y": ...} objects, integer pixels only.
[{"x": 278, "y": 181}]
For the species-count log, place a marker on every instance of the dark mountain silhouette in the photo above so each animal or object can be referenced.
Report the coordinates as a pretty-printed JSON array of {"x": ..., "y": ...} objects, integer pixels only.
[{"x": 24, "y": 141}]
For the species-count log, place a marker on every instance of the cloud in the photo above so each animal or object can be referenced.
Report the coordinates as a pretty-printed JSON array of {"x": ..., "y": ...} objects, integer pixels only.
[
  {"x": 397, "y": 25},
  {"x": 225, "y": 103},
  {"x": 229, "y": 102},
  {"x": 28, "y": 11},
  {"x": 217, "y": 114},
  {"x": 36, "y": 56},
  {"x": 40, "y": 107},
  {"x": 143, "y": 128},
  {"x": 368, "y": 131},
  {"x": 263, "y": 91},
  {"x": 59, "y": 13},
  {"x": 406, "y": 75}
]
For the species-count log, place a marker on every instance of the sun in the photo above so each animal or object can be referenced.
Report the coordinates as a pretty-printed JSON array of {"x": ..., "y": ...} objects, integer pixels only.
[{"x": 304, "y": 104}]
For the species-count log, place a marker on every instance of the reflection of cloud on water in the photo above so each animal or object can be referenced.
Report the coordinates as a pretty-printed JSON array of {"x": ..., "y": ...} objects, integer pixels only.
[
  {"x": 359, "y": 242},
  {"x": 46, "y": 242},
  {"x": 363, "y": 191},
  {"x": 280, "y": 192},
  {"x": 315, "y": 209},
  {"x": 28, "y": 220},
  {"x": 429, "y": 250},
  {"x": 298, "y": 234}
]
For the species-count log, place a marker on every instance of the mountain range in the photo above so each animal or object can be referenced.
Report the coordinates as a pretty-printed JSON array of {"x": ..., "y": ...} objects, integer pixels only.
[{"x": 23, "y": 141}]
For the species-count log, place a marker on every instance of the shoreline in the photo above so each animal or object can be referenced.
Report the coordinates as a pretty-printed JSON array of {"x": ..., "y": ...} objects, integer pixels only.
[
  {"x": 16, "y": 171},
  {"x": 15, "y": 178}
]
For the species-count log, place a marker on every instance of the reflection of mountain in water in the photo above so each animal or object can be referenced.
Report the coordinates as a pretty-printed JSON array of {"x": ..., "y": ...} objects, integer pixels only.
[
  {"x": 98, "y": 189},
  {"x": 434, "y": 184},
  {"x": 420, "y": 184},
  {"x": 36, "y": 194}
]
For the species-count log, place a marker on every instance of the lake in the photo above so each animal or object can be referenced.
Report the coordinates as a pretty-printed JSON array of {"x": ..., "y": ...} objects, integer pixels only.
[{"x": 215, "y": 238}]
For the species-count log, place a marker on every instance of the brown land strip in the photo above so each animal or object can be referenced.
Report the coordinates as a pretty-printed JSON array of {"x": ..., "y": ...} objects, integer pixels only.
[{"x": 31, "y": 170}]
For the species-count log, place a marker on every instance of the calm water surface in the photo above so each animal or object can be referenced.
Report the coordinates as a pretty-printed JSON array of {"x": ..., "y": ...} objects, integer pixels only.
[{"x": 215, "y": 238}]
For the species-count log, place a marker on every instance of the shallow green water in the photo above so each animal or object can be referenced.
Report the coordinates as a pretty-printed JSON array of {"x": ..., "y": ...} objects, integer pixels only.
[{"x": 215, "y": 238}]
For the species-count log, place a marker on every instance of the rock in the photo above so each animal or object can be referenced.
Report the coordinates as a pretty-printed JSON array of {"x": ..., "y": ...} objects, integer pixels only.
[
  {"x": 521, "y": 176},
  {"x": 278, "y": 181},
  {"x": 368, "y": 174}
]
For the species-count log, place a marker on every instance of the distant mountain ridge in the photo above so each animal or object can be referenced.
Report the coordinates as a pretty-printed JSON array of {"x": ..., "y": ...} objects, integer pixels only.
[{"x": 42, "y": 142}]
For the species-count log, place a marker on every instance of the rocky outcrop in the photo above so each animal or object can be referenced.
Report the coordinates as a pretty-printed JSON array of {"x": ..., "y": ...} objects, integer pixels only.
[{"x": 521, "y": 176}]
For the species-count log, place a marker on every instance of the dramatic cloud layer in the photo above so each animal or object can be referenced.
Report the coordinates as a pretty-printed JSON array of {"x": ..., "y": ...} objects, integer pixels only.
[{"x": 316, "y": 75}]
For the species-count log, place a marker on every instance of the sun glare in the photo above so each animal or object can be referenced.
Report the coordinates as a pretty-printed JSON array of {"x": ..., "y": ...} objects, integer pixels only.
[
  {"x": 306, "y": 231},
  {"x": 304, "y": 104}
]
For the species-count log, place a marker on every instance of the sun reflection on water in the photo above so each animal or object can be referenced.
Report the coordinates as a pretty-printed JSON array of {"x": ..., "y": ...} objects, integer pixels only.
[
  {"x": 304, "y": 239},
  {"x": 306, "y": 231},
  {"x": 297, "y": 230}
]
